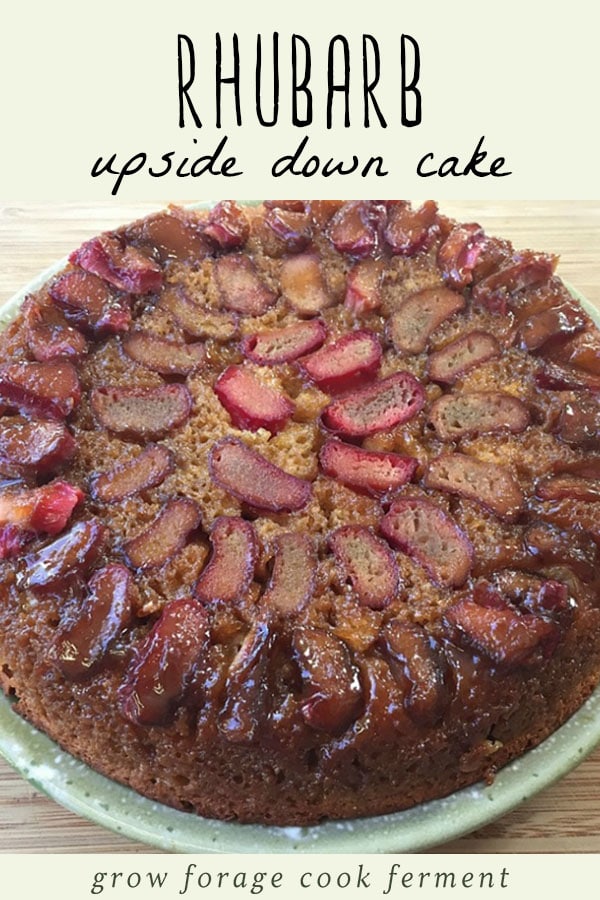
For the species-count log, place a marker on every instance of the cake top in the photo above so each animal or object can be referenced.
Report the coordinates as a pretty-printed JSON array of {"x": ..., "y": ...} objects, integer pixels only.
[{"x": 251, "y": 453}]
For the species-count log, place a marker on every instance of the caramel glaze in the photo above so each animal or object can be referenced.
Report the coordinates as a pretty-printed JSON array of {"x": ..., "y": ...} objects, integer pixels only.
[{"x": 322, "y": 706}]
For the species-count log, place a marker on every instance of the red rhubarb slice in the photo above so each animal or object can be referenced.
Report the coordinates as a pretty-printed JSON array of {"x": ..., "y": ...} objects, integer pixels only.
[
  {"x": 491, "y": 485},
  {"x": 230, "y": 569},
  {"x": 227, "y": 226},
  {"x": 408, "y": 230},
  {"x": 579, "y": 422},
  {"x": 379, "y": 407},
  {"x": 348, "y": 362},
  {"x": 419, "y": 666},
  {"x": 145, "y": 413},
  {"x": 522, "y": 271},
  {"x": 247, "y": 687},
  {"x": 176, "y": 233},
  {"x": 281, "y": 345},
  {"x": 486, "y": 412},
  {"x": 196, "y": 320},
  {"x": 367, "y": 564},
  {"x": 363, "y": 286},
  {"x": 461, "y": 356},
  {"x": 42, "y": 510},
  {"x": 332, "y": 696},
  {"x": 165, "y": 536},
  {"x": 34, "y": 447},
  {"x": 354, "y": 228},
  {"x": 164, "y": 355},
  {"x": 247, "y": 475},
  {"x": 292, "y": 580},
  {"x": 121, "y": 264},
  {"x": 568, "y": 486},
  {"x": 292, "y": 227},
  {"x": 411, "y": 327},
  {"x": 145, "y": 471},
  {"x": 369, "y": 471},
  {"x": 508, "y": 639},
  {"x": 48, "y": 333},
  {"x": 72, "y": 554},
  {"x": 424, "y": 532},
  {"x": 84, "y": 638},
  {"x": 89, "y": 303},
  {"x": 303, "y": 284},
  {"x": 459, "y": 253},
  {"x": 47, "y": 389},
  {"x": 553, "y": 546},
  {"x": 553, "y": 377},
  {"x": 240, "y": 287},
  {"x": 550, "y": 326},
  {"x": 251, "y": 403},
  {"x": 164, "y": 665}
]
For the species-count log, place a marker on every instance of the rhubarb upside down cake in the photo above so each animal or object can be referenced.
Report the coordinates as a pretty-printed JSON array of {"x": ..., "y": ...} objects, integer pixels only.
[{"x": 299, "y": 507}]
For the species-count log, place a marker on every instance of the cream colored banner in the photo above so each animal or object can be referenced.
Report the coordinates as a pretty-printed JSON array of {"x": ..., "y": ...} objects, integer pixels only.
[
  {"x": 167, "y": 877},
  {"x": 144, "y": 101}
]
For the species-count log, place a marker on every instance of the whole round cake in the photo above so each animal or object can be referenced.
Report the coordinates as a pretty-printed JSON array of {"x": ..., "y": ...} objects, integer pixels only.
[{"x": 300, "y": 507}]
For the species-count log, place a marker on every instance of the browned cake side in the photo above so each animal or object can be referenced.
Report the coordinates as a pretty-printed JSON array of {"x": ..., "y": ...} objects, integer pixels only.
[{"x": 299, "y": 510}]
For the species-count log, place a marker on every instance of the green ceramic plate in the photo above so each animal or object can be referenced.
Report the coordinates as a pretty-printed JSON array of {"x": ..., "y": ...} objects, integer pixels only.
[{"x": 81, "y": 790}]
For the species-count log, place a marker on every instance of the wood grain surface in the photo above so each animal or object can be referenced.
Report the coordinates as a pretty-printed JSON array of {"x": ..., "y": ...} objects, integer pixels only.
[{"x": 563, "y": 818}]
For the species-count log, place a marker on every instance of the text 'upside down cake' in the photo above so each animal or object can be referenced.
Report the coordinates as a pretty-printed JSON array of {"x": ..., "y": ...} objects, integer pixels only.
[{"x": 300, "y": 507}]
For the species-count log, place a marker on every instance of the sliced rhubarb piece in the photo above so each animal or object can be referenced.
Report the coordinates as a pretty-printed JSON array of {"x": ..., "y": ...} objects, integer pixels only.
[
  {"x": 553, "y": 377},
  {"x": 322, "y": 211},
  {"x": 47, "y": 389},
  {"x": 281, "y": 345},
  {"x": 250, "y": 402},
  {"x": 292, "y": 227},
  {"x": 145, "y": 471},
  {"x": 582, "y": 352},
  {"x": 72, "y": 554},
  {"x": 247, "y": 688},
  {"x": 48, "y": 333},
  {"x": 368, "y": 471},
  {"x": 461, "y": 356},
  {"x": 367, "y": 564},
  {"x": 42, "y": 510},
  {"x": 144, "y": 413},
  {"x": 346, "y": 363},
  {"x": 247, "y": 475},
  {"x": 508, "y": 639},
  {"x": 354, "y": 228},
  {"x": 549, "y": 326},
  {"x": 164, "y": 664},
  {"x": 293, "y": 577},
  {"x": 240, "y": 287},
  {"x": 454, "y": 416},
  {"x": 486, "y": 483},
  {"x": 34, "y": 447},
  {"x": 568, "y": 486},
  {"x": 579, "y": 422},
  {"x": 411, "y": 327},
  {"x": 553, "y": 546},
  {"x": 408, "y": 230},
  {"x": 333, "y": 695},
  {"x": 83, "y": 640},
  {"x": 164, "y": 355},
  {"x": 424, "y": 532},
  {"x": 379, "y": 407},
  {"x": 522, "y": 271},
  {"x": 230, "y": 569},
  {"x": 363, "y": 286},
  {"x": 89, "y": 303},
  {"x": 303, "y": 284},
  {"x": 119, "y": 263},
  {"x": 459, "y": 253},
  {"x": 176, "y": 234},
  {"x": 196, "y": 320},
  {"x": 227, "y": 226},
  {"x": 418, "y": 664},
  {"x": 165, "y": 536}
]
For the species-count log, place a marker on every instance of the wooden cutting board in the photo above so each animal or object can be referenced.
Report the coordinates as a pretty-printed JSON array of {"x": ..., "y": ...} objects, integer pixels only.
[{"x": 564, "y": 817}]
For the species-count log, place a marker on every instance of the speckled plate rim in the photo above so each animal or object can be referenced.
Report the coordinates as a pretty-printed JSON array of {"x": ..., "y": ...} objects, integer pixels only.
[{"x": 84, "y": 792}]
